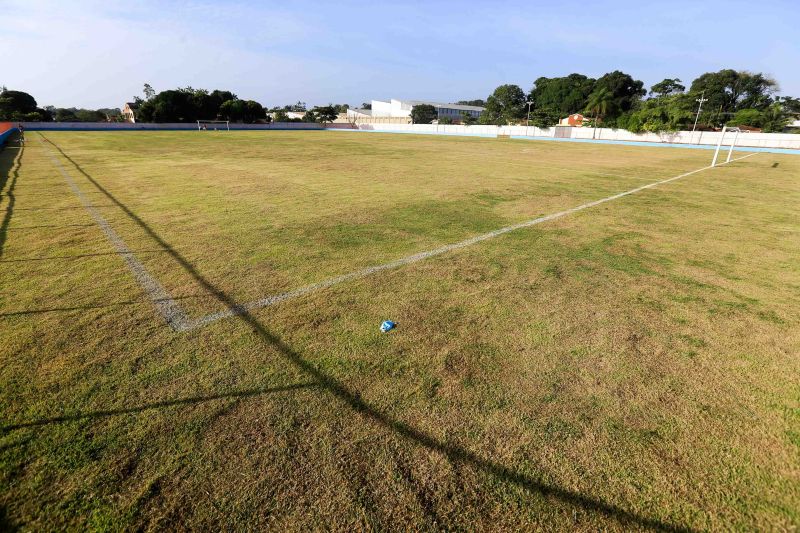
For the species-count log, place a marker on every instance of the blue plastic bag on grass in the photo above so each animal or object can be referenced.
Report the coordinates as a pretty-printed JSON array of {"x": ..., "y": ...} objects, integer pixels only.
[{"x": 387, "y": 326}]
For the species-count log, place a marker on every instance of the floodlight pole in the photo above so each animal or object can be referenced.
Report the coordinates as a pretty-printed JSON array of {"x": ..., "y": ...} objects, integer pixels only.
[
  {"x": 733, "y": 144},
  {"x": 699, "y": 107},
  {"x": 719, "y": 144}
]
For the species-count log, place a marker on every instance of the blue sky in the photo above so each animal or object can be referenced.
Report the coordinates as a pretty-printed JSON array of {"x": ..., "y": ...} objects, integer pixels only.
[{"x": 93, "y": 53}]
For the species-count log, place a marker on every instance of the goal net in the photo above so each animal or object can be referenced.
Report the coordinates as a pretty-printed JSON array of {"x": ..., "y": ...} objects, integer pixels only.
[{"x": 203, "y": 125}]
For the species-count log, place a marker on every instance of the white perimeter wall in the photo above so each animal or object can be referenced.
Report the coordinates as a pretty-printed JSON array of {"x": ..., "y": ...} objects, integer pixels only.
[{"x": 758, "y": 140}]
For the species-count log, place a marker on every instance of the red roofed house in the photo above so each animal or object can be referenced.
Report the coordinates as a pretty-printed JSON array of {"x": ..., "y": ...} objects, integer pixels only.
[{"x": 575, "y": 120}]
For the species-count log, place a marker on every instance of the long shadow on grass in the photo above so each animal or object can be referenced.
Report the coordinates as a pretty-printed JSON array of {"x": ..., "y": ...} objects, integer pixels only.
[
  {"x": 157, "y": 405},
  {"x": 43, "y": 226},
  {"x": 76, "y": 256},
  {"x": 353, "y": 400},
  {"x": 44, "y": 310},
  {"x": 9, "y": 168}
]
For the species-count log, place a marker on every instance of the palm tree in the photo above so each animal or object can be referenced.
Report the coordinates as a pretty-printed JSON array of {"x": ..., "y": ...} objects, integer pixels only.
[
  {"x": 600, "y": 102},
  {"x": 774, "y": 119}
]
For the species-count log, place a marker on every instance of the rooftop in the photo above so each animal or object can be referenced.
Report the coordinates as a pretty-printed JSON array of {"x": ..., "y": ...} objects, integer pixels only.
[{"x": 448, "y": 106}]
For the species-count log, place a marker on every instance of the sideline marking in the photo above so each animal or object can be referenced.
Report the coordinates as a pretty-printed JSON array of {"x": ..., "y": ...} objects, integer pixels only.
[
  {"x": 164, "y": 303},
  {"x": 277, "y": 298}
]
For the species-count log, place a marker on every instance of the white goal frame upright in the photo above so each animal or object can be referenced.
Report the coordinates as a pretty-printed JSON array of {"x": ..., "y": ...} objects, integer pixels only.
[
  {"x": 200, "y": 124},
  {"x": 725, "y": 130}
]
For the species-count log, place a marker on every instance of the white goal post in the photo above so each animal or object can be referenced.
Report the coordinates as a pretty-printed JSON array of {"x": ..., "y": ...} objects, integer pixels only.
[
  {"x": 725, "y": 130},
  {"x": 214, "y": 124}
]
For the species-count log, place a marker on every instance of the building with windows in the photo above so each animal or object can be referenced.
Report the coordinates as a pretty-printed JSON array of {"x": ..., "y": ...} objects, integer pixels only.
[{"x": 402, "y": 109}]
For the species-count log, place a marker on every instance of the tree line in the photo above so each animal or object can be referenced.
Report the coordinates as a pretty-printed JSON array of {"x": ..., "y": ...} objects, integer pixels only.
[
  {"x": 617, "y": 100},
  {"x": 175, "y": 105}
]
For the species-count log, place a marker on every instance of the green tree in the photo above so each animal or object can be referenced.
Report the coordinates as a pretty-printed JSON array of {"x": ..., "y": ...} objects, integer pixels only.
[
  {"x": 562, "y": 96},
  {"x": 21, "y": 106},
  {"x": 774, "y": 119},
  {"x": 148, "y": 91},
  {"x": 208, "y": 104},
  {"x": 790, "y": 105},
  {"x": 423, "y": 114},
  {"x": 445, "y": 120},
  {"x": 476, "y": 103},
  {"x": 543, "y": 118},
  {"x": 280, "y": 116},
  {"x": 671, "y": 112},
  {"x": 625, "y": 91},
  {"x": 729, "y": 90},
  {"x": 232, "y": 110},
  {"x": 667, "y": 86},
  {"x": 310, "y": 116},
  {"x": 467, "y": 119},
  {"x": 747, "y": 117},
  {"x": 15, "y": 104},
  {"x": 601, "y": 103},
  {"x": 252, "y": 111},
  {"x": 169, "y": 106},
  {"x": 505, "y": 105},
  {"x": 327, "y": 113},
  {"x": 65, "y": 115},
  {"x": 188, "y": 104}
]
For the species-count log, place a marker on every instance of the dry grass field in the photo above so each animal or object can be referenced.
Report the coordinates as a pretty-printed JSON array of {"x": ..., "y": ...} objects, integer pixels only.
[{"x": 633, "y": 365}]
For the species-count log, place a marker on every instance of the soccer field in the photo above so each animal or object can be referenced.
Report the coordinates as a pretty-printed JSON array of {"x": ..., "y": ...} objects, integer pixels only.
[{"x": 189, "y": 334}]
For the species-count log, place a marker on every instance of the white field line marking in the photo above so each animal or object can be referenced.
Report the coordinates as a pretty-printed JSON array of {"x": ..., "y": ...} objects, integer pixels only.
[
  {"x": 164, "y": 303},
  {"x": 277, "y": 298}
]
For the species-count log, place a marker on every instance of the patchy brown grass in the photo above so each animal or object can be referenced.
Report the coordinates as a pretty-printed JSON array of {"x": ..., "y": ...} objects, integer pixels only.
[{"x": 632, "y": 366}]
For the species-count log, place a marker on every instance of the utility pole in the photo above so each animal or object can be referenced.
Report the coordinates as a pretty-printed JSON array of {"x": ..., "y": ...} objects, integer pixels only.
[
  {"x": 699, "y": 107},
  {"x": 528, "y": 120}
]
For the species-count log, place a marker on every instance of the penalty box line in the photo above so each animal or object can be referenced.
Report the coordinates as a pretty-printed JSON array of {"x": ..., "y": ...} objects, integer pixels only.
[
  {"x": 268, "y": 301},
  {"x": 172, "y": 312}
]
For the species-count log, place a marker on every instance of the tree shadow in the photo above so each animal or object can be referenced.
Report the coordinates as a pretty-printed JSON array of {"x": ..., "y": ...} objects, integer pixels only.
[
  {"x": 75, "y": 256},
  {"x": 157, "y": 405},
  {"x": 45, "y": 310},
  {"x": 353, "y": 400},
  {"x": 10, "y": 164},
  {"x": 43, "y": 226},
  {"x": 64, "y": 208}
]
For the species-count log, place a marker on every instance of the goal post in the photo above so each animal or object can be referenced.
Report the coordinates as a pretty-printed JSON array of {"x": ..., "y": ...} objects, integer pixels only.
[
  {"x": 721, "y": 141},
  {"x": 214, "y": 124}
]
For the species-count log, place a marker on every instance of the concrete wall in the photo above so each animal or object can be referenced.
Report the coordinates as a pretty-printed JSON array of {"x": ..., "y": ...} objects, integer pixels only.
[
  {"x": 126, "y": 126},
  {"x": 705, "y": 138},
  {"x": 756, "y": 140}
]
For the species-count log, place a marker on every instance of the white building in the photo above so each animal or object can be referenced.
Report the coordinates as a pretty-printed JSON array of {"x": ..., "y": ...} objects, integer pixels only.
[
  {"x": 291, "y": 115},
  {"x": 129, "y": 112},
  {"x": 402, "y": 108}
]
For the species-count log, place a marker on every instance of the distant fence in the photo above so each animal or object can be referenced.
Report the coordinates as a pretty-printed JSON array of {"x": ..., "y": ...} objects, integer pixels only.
[
  {"x": 698, "y": 138},
  {"x": 127, "y": 126},
  {"x": 6, "y": 130}
]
